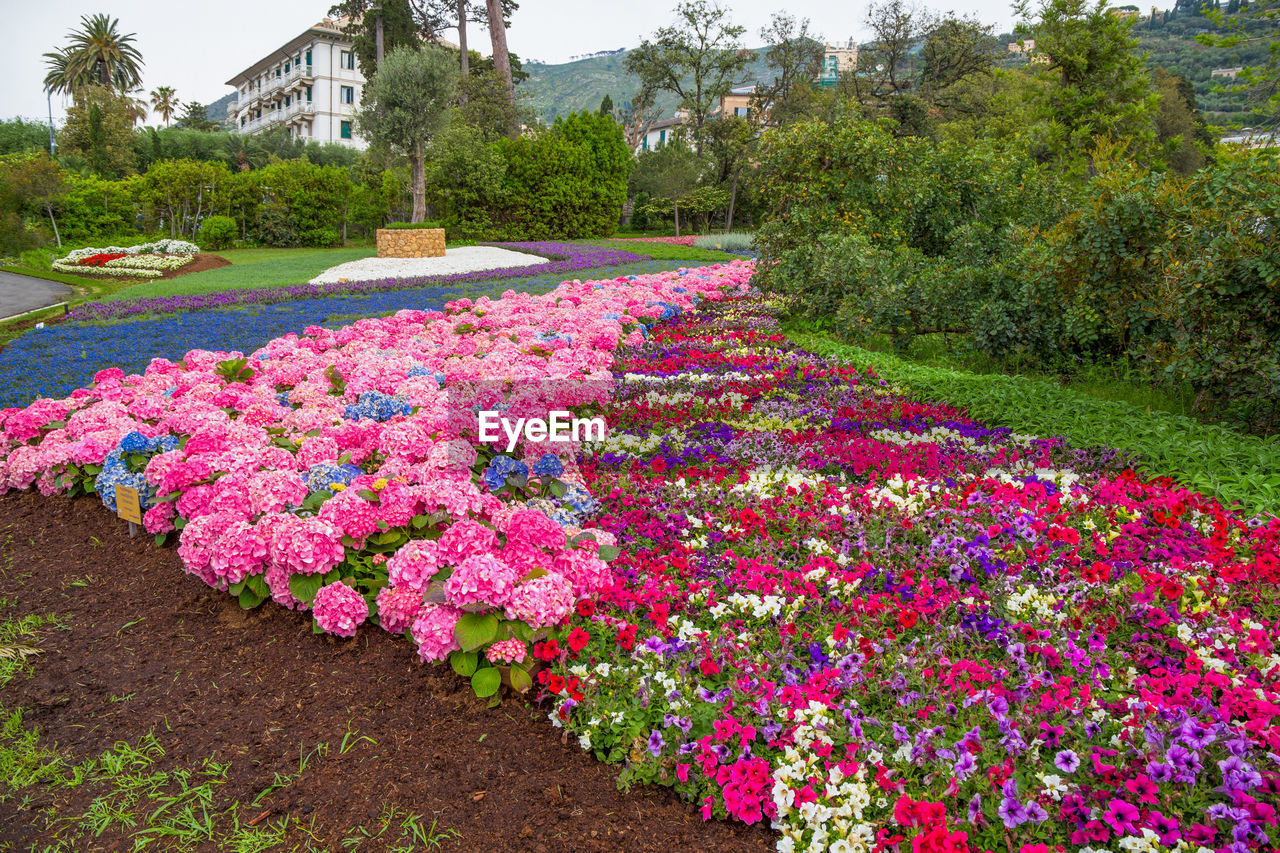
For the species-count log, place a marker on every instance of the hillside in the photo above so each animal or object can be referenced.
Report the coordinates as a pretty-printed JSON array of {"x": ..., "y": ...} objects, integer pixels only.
[
  {"x": 1168, "y": 40},
  {"x": 572, "y": 86}
]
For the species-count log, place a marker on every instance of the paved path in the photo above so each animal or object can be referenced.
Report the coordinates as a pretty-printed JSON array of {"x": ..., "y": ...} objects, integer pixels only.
[{"x": 22, "y": 293}]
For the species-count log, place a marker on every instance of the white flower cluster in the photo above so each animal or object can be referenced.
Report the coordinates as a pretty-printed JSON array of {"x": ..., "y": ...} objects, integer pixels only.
[
  {"x": 1032, "y": 600},
  {"x": 934, "y": 435},
  {"x": 764, "y": 480},
  {"x": 151, "y": 262},
  {"x": 110, "y": 272},
  {"x": 834, "y": 823},
  {"x": 159, "y": 247}
]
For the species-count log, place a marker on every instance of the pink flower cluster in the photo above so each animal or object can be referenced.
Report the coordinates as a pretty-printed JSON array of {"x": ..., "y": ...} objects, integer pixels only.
[
  {"x": 242, "y": 489},
  {"x": 339, "y": 609}
]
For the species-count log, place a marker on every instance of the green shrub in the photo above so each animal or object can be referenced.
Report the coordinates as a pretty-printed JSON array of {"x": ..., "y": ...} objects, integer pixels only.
[
  {"x": 735, "y": 241},
  {"x": 37, "y": 259},
  {"x": 218, "y": 232},
  {"x": 321, "y": 238},
  {"x": 412, "y": 226}
]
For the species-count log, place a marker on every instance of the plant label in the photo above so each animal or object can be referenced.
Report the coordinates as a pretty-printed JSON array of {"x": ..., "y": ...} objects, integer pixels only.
[{"x": 127, "y": 505}]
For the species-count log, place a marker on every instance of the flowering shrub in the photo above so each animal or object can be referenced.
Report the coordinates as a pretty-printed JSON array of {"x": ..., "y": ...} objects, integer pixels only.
[
  {"x": 340, "y": 471},
  {"x": 99, "y": 259},
  {"x": 883, "y": 626}
]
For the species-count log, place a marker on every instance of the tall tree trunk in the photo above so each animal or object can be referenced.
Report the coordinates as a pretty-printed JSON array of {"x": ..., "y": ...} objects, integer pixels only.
[
  {"x": 733, "y": 196},
  {"x": 418, "y": 165},
  {"x": 677, "y": 210},
  {"x": 465, "y": 60},
  {"x": 502, "y": 60},
  {"x": 377, "y": 36},
  {"x": 56, "y": 236}
]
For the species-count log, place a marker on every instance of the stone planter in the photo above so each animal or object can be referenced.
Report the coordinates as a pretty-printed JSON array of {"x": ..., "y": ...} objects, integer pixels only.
[{"x": 411, "y": 242}]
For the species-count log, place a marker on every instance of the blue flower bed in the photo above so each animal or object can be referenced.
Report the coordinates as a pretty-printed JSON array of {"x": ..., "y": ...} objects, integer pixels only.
[{"x": 56, "y": 360}]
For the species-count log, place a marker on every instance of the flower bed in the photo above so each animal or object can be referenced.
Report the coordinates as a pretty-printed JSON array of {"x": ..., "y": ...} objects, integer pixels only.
[
  {"x": 686, "y": 240},
  {"x": 886, "y": 627},
  {"x": 340, "y": 471},
  {"x": 568, "y": 257},
  {"x": 56, "y": 360},
  {"x": 146, "y": 260}
]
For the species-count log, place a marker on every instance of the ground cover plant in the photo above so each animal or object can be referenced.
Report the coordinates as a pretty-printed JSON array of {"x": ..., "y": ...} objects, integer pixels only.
[{"x": 881, "y": 624}]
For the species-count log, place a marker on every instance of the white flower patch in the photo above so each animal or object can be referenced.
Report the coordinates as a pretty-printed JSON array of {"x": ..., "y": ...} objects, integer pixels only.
[
  {"x": 935, "y": 435},
  {"x": 460, "y": 260}
]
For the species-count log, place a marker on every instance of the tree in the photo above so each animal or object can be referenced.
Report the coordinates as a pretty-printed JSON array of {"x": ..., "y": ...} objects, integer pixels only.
[
  {"x": 501, "y": 57},
  {"x": 97, "y": 54},
  {"x": 183, "y": 191},
  {"x": 405, "y": 105},
  {"x": 897, "y": 28},
  {"x": 731, "y": 141},
  {"x": 376, "y": 27},
  {"x": 32, "y": 181},
  {"x": 18, "y": 136},
  {"x": 196, "y": 117},
  {"x": 99, "y": 129},
  {"x": 637, "y": 116},
  {"x": 164, "y": 101},
  {"x": 956, "y": 49},
  {"x": 1180, "y": 127},
  {"x": 668, "y": 173},
  {"x": 698, "y": 59},
  {"x": 1101, "y": 88},
  {"x": 795, "y": 58},
  {"x": 606, "y": 106}
]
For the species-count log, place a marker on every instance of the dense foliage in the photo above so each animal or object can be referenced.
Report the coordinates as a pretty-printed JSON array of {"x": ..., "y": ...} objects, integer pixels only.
[{"x": 903, "y": 237}]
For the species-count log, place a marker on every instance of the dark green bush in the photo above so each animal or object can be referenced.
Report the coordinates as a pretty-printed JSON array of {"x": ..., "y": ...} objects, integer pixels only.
[
  {"x": 218, "y": 232},
  {"x": 411, "y": 226}
]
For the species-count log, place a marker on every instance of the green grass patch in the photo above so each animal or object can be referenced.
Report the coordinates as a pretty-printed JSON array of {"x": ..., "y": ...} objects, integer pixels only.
[
  {"x": 250, "y": 268},
  {"x": 660, "y": 251},
  {"x": 1207, "y": 457}
]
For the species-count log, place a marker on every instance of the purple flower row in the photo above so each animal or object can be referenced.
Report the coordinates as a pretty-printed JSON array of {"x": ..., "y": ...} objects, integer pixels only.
[{"x": 565, "y": 257}]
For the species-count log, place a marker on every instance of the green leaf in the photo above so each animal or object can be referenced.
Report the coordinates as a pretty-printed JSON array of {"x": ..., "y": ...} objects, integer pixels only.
[
  {"x": 250, "y": 599},
  {"x": 235, "y": 588},
  {"x": 534, "y": 573},
  {"x": 258, "y": 584},
  {"x": 521, "y": 681},
  {"x": 559, "y": 488},
  {"x": 419, "y": 522},
  {"x": 475, "y": 630},
  {"x": 368, "y": 495},
  {"x": 160, "y": 539},
  {"x": 485, "y": 682},
  {"x": 464, "y": 663},
  {"x": 305, "y": 587},
  {"x": 609, "y": 552}
]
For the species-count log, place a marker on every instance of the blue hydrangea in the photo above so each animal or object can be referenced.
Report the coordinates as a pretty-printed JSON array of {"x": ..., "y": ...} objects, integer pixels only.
[
  {"x": 548, "y": 466},
  {"x": 502, "y": 467},
  {"x": 419, "y": 370},
  {"x": 115, "y": 469},
  {"x": 377, "y": 406},
  {"x": 580, "y": 501},
  {"x": 135, "y": 442},
  {"x": 324, "y": 474}
]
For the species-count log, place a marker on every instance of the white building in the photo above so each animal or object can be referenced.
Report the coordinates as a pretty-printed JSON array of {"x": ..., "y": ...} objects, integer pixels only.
[{"x": 310, "y": 85}]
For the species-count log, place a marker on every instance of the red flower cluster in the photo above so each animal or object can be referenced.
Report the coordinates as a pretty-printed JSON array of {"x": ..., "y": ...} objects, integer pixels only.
[{"x": 100, "y": 259}]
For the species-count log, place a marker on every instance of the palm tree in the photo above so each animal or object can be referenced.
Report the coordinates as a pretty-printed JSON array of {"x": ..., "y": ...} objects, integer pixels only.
[
  {"x": 165, "y": 102},
  {"x": 97, "y": 54}
]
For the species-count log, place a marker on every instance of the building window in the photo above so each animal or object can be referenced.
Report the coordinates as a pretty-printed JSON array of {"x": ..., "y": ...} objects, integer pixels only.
[
  {"x": 345, "y": 130},
  {"x": 277, "y": 71},
  {"x": 308, "y": 57},
  {"x": 286, "y": 68},
  {"x": 348, "y": 94},
  {"x": 741, "y": 111},
  {"x": 347, "y": 59},
  {"x": 662, "y": 137},
  {"x": 308, "y": 94}
]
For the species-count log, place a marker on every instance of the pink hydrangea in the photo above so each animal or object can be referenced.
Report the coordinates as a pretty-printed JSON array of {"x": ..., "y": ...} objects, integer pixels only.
[
  {"x": 482, "y": 579},
  {"x": 307, "y": 546},
  {"x": 159, "y": 519},
  {"x": 467, "y": 538},
  {"x": 398, "y": 606},
  {"x": 507, "y": 651},
  {"x": 339, "y": 609},
  {"x": 415, "y": 564},
  {"x": 541, "y": 602},
  {"x": 433, "y": 631}
]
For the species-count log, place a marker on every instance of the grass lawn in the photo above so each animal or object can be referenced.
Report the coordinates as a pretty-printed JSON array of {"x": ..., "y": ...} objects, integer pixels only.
[{"x": 249, "y": 268}]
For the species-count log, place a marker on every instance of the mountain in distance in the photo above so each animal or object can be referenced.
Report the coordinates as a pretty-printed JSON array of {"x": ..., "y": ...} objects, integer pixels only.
[{"x": 569, "y": 87}]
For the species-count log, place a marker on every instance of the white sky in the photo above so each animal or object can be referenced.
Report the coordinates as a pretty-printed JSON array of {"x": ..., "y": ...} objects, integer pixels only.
[{"x": 195, "y": 46}]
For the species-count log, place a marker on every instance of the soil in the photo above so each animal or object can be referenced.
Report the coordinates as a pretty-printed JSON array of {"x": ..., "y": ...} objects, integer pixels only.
[
  {"x": 212, "y": 681},
  {"x": 201, "y": 263}
]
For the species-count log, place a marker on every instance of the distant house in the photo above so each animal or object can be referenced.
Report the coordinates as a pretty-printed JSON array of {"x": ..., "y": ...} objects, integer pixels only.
[
  {"x": 310, "y": 85},
  {"x": 838, "y": 60},
  {"x": 1026, "y": 47},
  {"x": 660, "y": 133},
  {"x": 1124, "y": 12},
  {"x": 1226, "y": 73}
]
